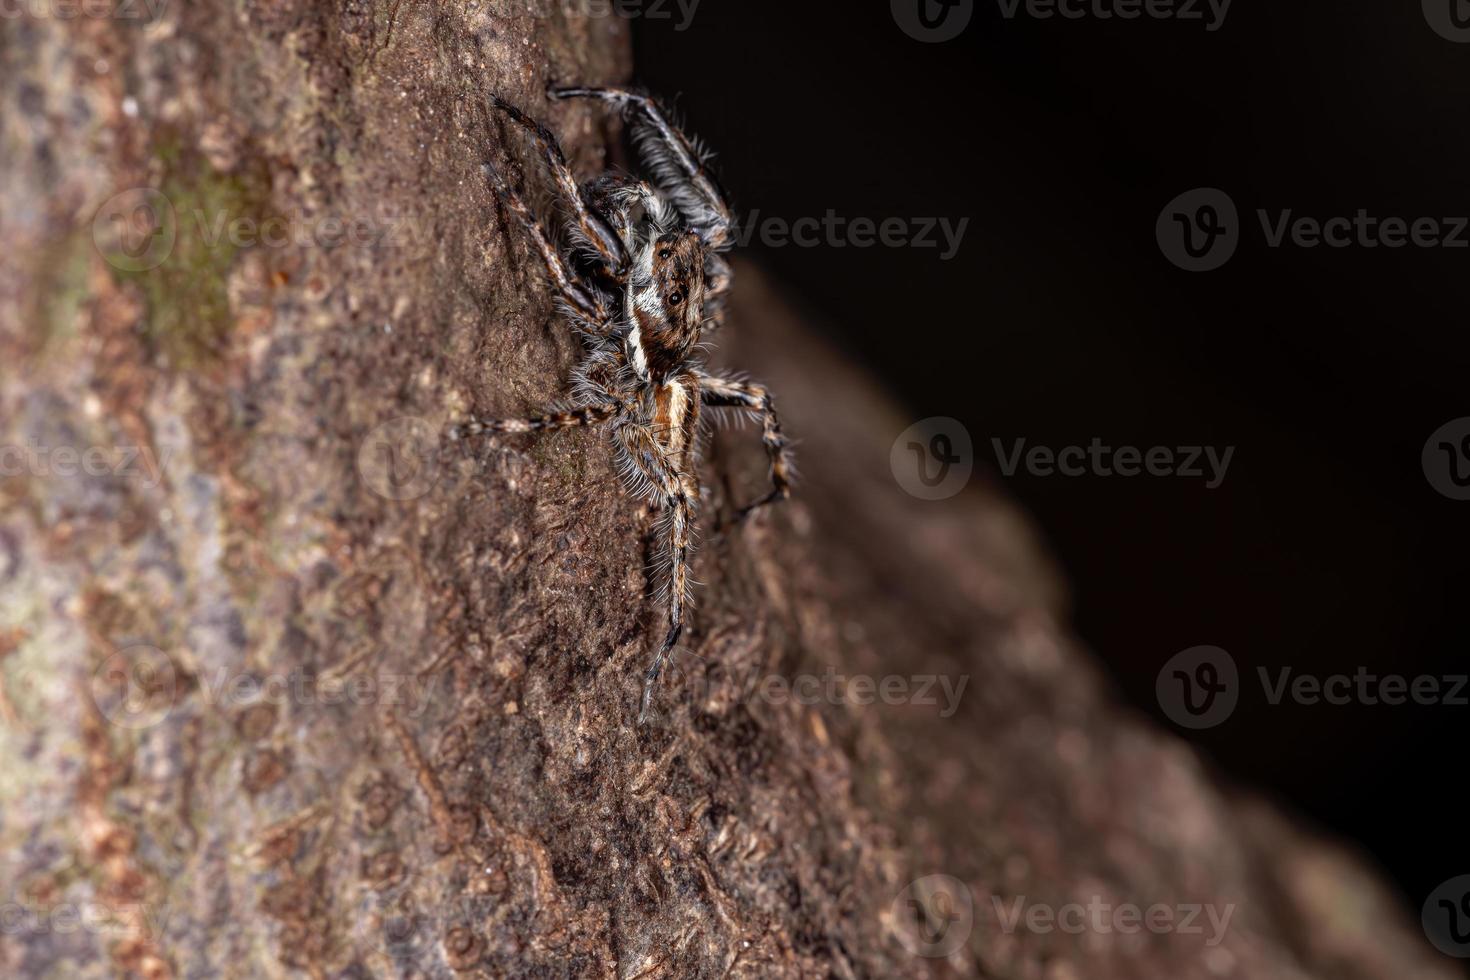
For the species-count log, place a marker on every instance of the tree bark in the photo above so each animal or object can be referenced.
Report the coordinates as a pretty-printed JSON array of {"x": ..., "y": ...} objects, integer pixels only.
[{"x": 291, "y": 685}]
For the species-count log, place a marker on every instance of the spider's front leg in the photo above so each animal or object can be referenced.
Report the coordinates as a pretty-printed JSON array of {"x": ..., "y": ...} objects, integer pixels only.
[
  {"x": 654, "y": 474},
  {"x": 589, "y": 415},
  {"x": 582, "y": 304},
  {"x": 725, "y": 393},
  {"x": 593, "y": 229},
  {"x": 675, "y": 161}
]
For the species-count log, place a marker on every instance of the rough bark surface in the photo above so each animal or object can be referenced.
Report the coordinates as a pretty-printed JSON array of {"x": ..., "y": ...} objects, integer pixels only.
[{"x": 330, "y": 696}]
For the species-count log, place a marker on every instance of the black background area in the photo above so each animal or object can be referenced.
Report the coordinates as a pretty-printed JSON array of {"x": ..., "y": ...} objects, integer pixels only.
[{"x": 1060, "y": 320}]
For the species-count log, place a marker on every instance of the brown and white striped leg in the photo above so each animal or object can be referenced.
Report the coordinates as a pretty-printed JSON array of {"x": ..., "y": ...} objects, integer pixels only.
[
  {"x": 583, "y": 305},
  {"x": 673, "y": 158},
  {"x": 678, "y": 493},
  {"x": 724, "y": 393},
  {"x": 600, "y": 236},
  {"x": 591, "y": 415}
]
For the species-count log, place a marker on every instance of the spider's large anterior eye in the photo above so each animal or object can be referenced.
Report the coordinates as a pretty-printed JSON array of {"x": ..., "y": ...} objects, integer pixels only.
[
  {"x": 675, "y": 298},
  {"x": 665, "y": 253}
]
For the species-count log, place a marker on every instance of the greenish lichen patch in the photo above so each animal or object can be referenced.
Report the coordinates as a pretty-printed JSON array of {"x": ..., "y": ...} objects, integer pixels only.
[
  {"x": 61, "y": 290},
  {"x": 214, "y": 216}
]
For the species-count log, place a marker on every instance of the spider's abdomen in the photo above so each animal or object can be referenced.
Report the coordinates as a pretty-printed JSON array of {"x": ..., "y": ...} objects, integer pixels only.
[{"x": 675, "y": 419}]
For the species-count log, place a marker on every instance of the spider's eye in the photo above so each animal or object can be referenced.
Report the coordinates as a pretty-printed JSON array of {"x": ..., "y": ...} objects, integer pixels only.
[
  {"x": 675, "y": 298},
  {"x": 665, "y": 253}
]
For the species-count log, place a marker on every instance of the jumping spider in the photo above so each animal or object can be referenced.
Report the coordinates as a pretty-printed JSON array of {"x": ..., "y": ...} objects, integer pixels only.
[{"x": 642, "y": 279}]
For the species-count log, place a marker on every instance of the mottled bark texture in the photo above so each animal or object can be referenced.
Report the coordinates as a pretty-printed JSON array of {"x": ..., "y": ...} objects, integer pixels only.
[{"x": 303, "y": 689}]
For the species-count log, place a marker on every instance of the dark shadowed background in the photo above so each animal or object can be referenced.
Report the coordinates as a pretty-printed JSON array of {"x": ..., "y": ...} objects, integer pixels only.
[{"x": 1326, "y": 549}]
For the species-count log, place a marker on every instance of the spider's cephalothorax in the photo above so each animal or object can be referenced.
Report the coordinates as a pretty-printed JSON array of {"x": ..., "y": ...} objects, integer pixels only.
[{"x": 641, "y": 280}]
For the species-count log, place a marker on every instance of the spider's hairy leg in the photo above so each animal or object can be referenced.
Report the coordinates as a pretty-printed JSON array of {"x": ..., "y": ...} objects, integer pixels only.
[
  {"x": 678, "y": 493},
  {"x": 597, "y": 232},
  {"x": 583, "y": 305},
  {"x": 724, "y": 393},
  {"x": 589, "y": 415},
  {"x": 678, "y": 165}
]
